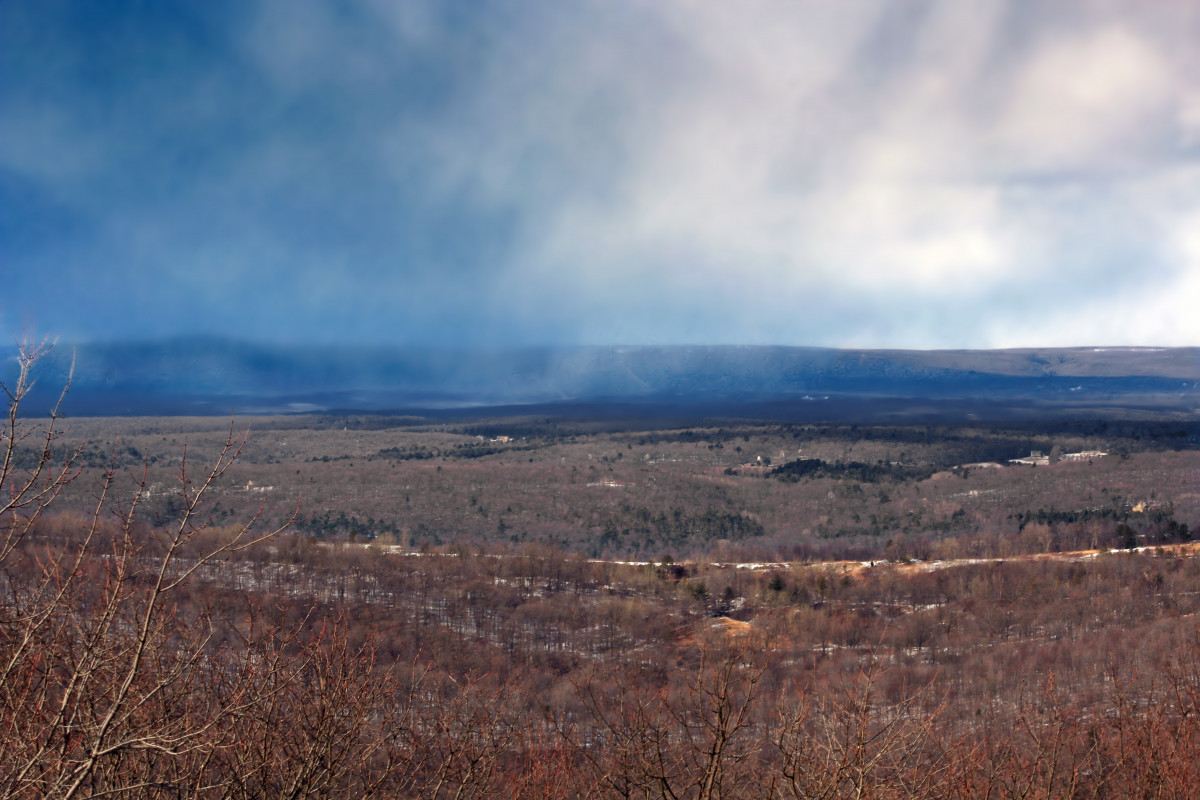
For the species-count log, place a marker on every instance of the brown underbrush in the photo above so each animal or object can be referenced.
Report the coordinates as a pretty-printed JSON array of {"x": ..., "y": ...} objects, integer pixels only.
[{"x": 175, "y": 652}]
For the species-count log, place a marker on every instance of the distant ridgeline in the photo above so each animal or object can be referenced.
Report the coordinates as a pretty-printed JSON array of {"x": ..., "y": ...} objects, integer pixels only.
[{"x": 218, "y": 377}]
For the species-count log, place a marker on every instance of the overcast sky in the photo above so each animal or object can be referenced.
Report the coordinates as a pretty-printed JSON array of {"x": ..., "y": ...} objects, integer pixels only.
[{"x": 855, "y": 174}]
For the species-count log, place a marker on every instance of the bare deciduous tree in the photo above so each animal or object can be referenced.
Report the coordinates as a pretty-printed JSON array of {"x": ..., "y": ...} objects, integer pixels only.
[{"x": 102, "y": 674}]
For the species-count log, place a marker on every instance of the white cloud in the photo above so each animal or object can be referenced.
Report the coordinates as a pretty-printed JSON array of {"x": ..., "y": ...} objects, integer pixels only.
[
  {"x": 1165, "y": 312},
  {"x": 991, "y": 178},
  {"x": 1088, "y": 102}
]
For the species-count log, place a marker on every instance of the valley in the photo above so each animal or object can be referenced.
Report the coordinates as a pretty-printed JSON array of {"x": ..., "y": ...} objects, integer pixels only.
[{"x": 563, "y": 606}]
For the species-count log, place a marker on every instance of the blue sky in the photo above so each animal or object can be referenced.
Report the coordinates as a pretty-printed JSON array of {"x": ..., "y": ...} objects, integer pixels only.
[{"x": 857, "y": 174}]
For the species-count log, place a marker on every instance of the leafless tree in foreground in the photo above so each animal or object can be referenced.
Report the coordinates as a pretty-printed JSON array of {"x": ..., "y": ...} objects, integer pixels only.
[
  {"x": 695, "y": 738},
  {"x": 124, "y": 672},
  {"x": 103, "y": 675},
  {"x": 847, "y": 742}
]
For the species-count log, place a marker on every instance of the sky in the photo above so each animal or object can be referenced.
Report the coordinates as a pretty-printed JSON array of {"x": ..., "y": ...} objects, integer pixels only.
[{"x": 901, "y": 174}]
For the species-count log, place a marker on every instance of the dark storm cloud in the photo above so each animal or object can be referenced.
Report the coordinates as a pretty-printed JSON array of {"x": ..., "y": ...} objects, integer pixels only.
[{"x": 928, "y": 174}]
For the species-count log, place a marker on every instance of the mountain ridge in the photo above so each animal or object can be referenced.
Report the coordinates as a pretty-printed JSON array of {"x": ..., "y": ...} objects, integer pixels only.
[{"x": 202, "y": 375}]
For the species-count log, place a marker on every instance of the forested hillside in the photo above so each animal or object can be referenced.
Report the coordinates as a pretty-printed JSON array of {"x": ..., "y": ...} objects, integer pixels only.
[{"x": 718, "y": 610}]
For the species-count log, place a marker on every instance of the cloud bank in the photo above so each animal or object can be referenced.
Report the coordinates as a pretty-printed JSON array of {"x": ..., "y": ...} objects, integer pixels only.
[{"x": 865, "y": 174}]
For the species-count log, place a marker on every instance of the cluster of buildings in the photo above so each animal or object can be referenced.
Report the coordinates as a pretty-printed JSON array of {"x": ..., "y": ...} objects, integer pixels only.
[{"x": 1038, "y": 459}]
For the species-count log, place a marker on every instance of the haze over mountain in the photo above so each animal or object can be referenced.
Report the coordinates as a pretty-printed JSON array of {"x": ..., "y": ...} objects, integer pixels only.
[{"x": 211, "y": 376}]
